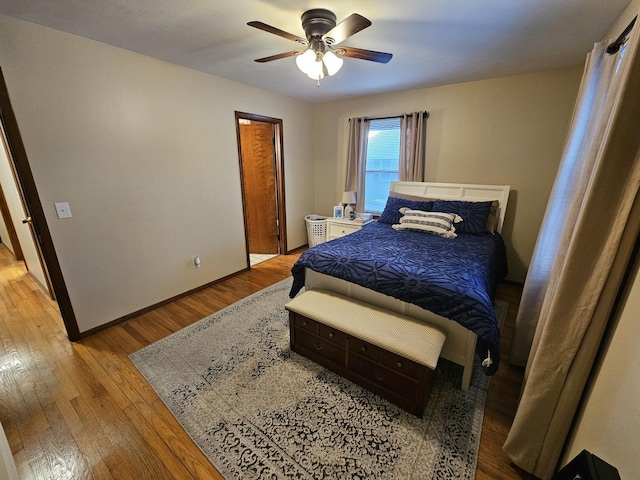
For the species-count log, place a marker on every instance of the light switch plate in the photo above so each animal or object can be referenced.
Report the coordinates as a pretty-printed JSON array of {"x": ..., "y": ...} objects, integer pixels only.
[{"x": 63, "y": 210}]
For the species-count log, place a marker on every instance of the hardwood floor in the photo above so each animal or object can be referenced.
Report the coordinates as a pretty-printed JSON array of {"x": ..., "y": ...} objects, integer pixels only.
[{"x": 82, "y": 410}]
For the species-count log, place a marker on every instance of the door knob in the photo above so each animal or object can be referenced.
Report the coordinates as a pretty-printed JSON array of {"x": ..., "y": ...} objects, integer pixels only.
[{"x": 26, "y": 220}]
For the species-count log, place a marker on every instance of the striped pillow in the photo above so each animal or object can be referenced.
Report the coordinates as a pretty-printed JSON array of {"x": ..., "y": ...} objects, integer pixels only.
[{"x": 439, "y": 223}]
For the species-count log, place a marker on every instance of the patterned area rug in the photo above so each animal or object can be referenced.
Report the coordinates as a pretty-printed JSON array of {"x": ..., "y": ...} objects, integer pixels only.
[{"x": 257, "y": 410}]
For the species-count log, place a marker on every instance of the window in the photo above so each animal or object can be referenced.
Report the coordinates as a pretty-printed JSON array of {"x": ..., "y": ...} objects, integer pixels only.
[
  {"x": 382, "y": 150},
  {"x": 383, "y": 161}
]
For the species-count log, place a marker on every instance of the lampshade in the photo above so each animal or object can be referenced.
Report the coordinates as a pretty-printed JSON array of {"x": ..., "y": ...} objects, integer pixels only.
[
  {"x": 349, "y": 197},
  {"x": 306, "y": 60},
  {"x": 332, "y": 62}
]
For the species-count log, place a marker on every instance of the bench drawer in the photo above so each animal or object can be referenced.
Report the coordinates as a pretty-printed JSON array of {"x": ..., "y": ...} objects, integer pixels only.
[
  {"x": 336, "y": 336},
  {"x": 328, "y": 350},
  {"x": 305, "y": 323},
  {"x": 401, "y": 365},
  {"x": 385, "y": 378},
  {"x": 365, "y": 349}
]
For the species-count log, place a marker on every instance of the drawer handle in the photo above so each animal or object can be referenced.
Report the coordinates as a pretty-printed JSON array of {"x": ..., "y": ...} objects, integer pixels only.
[
  {"x": 378, "y": 376},
  {"x": 399, "y": 364},
  {"x": 304, "y": 323},
  {"x": 363, "y": 349},
  {"x": 331, "y": 334},
  {"x": 318, "y": 346}
]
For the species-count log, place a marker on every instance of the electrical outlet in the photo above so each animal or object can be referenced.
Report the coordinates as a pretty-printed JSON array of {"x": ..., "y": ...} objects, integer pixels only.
[{"x": 196, "y": 262}]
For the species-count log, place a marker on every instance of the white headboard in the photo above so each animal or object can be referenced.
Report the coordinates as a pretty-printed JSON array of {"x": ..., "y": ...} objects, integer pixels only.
[{"x": 458, "y": 191}]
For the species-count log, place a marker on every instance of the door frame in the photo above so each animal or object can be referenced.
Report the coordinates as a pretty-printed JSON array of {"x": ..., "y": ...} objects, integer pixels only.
[
  {"x": 278, "y": 149},
  {"x": 33, "y": 208}
]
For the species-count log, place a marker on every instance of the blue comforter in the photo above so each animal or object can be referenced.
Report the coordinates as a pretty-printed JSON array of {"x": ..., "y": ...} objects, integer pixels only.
[{"x": 452, "y": 277}]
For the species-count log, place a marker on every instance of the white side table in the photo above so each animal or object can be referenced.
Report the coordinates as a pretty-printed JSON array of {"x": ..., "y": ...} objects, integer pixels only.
[{"x": 339, "y": 227}]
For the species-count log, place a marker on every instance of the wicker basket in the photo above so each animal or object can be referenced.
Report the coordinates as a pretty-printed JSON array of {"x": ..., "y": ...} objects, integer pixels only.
[{"x": 316, "y": 229}]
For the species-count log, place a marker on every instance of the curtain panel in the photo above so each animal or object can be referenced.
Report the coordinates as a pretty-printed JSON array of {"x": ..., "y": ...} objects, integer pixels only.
[
  {"x": 585, "y": 244},
  {"x": 357, "y": 159},
  {"x": 588, "y": 129},
  {"x": 412, "y": 145}
]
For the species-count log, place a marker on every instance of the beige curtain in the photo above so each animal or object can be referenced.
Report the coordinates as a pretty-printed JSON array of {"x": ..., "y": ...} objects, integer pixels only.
[
  {"x": 412, "y": 133},
  {"x": 585, "y": 244},
  {"x": 357, "y": 159},
  {"x": 598, "y": 90}
]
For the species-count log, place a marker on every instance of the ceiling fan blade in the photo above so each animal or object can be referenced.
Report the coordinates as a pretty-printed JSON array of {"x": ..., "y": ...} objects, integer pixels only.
[
  {"x": 277, "y": 31},
  {"x": 278, "y": 56},
  {"x": 362, "y": 54},
  {"x": 349, "y": 26}
]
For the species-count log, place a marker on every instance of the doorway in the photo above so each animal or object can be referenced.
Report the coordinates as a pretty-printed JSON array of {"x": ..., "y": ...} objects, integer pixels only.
[
  {"x": 8, "y": 233},
  {"x": 20, "y": 238},
  {"x": 260, "y": 149},
  {"x": 34, "y": 217}
]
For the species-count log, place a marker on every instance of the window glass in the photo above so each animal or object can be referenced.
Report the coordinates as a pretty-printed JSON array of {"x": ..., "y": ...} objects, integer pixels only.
[{"x": 383, "y": 156}]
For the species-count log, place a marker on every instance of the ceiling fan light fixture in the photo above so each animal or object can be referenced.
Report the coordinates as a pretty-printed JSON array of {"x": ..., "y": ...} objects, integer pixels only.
[
  {"x": 315, "y": 65},
  {"x": 306, "y": 61},
  {"x": 332, "y": 62}
]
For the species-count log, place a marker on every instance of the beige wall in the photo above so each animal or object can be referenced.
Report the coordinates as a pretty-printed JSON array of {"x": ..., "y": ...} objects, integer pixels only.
[
  {"x": 607, "y": 424},
  {"x": 508, "y": 130},
  {"x": 145, "y": 153}
]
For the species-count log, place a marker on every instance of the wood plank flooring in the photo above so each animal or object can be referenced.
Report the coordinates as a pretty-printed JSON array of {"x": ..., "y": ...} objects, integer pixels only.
[{"x": 82, "y": 411}]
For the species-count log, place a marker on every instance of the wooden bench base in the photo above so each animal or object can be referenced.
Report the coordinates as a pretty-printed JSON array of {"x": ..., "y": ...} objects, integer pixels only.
[{"x": 400, "y": 380}]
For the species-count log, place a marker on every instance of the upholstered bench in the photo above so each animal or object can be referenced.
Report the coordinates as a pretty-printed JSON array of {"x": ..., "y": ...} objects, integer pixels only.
[{"x": 387, "y": 353}]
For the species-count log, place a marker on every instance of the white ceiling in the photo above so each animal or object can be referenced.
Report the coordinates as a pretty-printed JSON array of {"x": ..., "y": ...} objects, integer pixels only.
[{"x": 434, "y": 42}]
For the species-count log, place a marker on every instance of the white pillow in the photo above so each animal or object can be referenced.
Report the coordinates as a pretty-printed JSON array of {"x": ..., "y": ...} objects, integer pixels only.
[{"x": 433, "y": 222}]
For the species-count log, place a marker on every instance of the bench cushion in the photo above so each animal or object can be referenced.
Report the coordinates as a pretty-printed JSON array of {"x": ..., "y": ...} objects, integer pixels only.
[{"x": 402, "y": 335}]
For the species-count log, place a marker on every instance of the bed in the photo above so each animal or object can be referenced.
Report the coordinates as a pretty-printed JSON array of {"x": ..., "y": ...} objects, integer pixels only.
[{"x": 446, "y": 282}]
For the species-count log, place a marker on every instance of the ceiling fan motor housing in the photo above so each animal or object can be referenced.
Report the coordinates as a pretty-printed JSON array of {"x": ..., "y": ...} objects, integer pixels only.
[{"x": 317, "y": 22}]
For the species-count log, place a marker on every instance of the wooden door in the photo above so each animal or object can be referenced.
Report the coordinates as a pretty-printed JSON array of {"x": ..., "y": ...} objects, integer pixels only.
[{"x": 258, "y": 166}]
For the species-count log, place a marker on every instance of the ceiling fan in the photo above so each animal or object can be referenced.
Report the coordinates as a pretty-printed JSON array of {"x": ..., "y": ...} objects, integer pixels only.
[{"x": 322, "y": 52}]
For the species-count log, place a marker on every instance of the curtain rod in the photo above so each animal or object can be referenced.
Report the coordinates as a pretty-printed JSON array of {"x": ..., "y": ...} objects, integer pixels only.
[
  {"x": 425, "y": 114},
  {"x": 621, "y": 40}
]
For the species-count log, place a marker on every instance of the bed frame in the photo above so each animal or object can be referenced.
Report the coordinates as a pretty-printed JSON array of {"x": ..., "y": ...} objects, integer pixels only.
[{"x": 461, "y": 343}]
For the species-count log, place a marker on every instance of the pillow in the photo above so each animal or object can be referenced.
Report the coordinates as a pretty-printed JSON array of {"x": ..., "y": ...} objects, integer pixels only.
[
  {"x": 440, "y": 223},
  {"x": 474, "y": 214},
  {"x": 492, "y": 220},
  {"x": 391, "y": 213}
]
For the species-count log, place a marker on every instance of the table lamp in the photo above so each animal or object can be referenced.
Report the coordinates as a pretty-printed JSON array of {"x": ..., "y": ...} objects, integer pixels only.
[{"x": 349, "y": 199}]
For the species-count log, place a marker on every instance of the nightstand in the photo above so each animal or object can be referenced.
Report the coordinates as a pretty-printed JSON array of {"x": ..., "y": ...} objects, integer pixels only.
[{"x": 339, "y": 227}]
